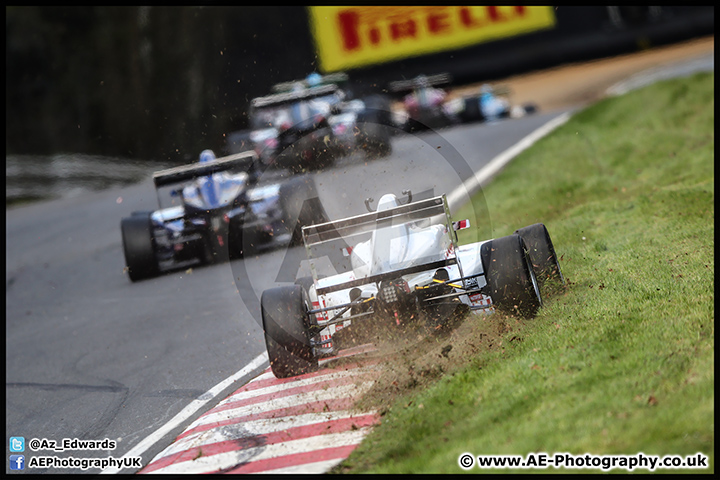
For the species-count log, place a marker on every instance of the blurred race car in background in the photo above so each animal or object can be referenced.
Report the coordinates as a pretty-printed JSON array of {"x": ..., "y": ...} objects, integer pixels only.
[
  {"x": 395, "y": 271},
  {"x": 426, "y": 106},
  {"x": 215, "y": 210},
  {"x": 308, "y": 124}
]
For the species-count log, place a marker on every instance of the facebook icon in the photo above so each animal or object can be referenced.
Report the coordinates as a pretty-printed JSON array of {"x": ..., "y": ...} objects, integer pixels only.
[{"x": 17, "y": 462}]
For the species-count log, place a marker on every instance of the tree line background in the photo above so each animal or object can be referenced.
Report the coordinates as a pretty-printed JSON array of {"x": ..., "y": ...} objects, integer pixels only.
[
  {"x": 164, "y": 83},
  {"x": 143, "y": 82}
]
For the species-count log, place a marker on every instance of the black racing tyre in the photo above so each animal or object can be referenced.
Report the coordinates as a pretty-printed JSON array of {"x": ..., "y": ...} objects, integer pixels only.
[
  {"x": 471, "y": 110},
  {"x": 432, "y": 118},
  {"x": 530, "y": 108},
  {"x": 236, "y": 239},
  {"x": 284, "y": 313},
  {"x": 305, "y": 282},
  {"x": 379, "y": 108},
  {"x": 301, "y": 206},
  {"x": 510, "y": 276},
  {"x": 139, "y": 246},
  {"x": 543, "y": 257}
]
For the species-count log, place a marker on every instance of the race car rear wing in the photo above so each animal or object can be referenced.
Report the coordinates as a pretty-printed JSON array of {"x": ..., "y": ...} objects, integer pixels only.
[
  {"x": 331, "y": 78},
  {"x": 434, "y": 209},
  {"x": 184, "y": 173},
  {"x": 314, "y": 234},
  {"x": 420, "y": 81},
  {"x": 290, "y": 97}
]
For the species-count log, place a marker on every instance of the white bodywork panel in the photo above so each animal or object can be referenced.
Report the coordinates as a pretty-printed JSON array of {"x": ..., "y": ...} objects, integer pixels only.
[{"x": 402, "y": 246}]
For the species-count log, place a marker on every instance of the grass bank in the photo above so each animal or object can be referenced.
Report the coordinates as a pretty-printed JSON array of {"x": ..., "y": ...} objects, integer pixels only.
[{"x": 621, "y": 361}]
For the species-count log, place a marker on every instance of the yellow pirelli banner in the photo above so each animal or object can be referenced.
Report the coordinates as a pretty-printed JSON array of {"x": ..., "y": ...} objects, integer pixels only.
[{"x": 356, "y": 36}]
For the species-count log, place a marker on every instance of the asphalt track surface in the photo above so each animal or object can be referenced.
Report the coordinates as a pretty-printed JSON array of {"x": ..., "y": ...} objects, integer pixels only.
[{"x": 90, "y": 355}]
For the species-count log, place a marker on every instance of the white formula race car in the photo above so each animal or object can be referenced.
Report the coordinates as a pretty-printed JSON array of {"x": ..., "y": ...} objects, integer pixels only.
[{"x": 398, "y": 268}]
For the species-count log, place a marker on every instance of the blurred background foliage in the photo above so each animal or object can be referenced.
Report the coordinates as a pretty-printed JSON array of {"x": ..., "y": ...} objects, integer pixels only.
[{"x": 142, "y": 82}]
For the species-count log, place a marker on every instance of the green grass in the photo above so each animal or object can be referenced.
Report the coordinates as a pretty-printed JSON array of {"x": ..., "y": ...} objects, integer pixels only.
[{"x": 622, "y": 361}]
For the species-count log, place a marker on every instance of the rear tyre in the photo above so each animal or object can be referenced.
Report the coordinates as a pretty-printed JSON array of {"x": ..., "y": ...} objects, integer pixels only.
[
  {"x": 530, "y": 108},
  {"x": 510, "y": 276},
  {"x": 139, "y": 246},
  {"x": 471, "y": 111},
  {"x": 380, "y": 109},
  {"x": 284, "y": 312},
  {"x": 301, "y": 206},
  {"x": 543, "y": 257},
  {"x": 305, "y": 282}
]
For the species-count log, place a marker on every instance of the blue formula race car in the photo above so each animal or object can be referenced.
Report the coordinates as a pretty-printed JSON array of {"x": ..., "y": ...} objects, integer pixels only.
[{"x": 216, "y": 210}]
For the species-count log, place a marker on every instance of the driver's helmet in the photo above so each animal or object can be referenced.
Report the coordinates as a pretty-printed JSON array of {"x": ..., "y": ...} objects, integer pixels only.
[
  {"x": 314, "y": 79},
  {"x": 207, "y": 155},
  {"x": 207, "y": 184}
]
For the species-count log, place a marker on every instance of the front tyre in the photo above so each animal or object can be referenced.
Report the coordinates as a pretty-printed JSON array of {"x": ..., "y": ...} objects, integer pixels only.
[
  {"x": 284, "y": 310},
  {"x": 543, "y": 257},
  {"x": 139, "y": 246},
  {"x": 510, "y": 276}
]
